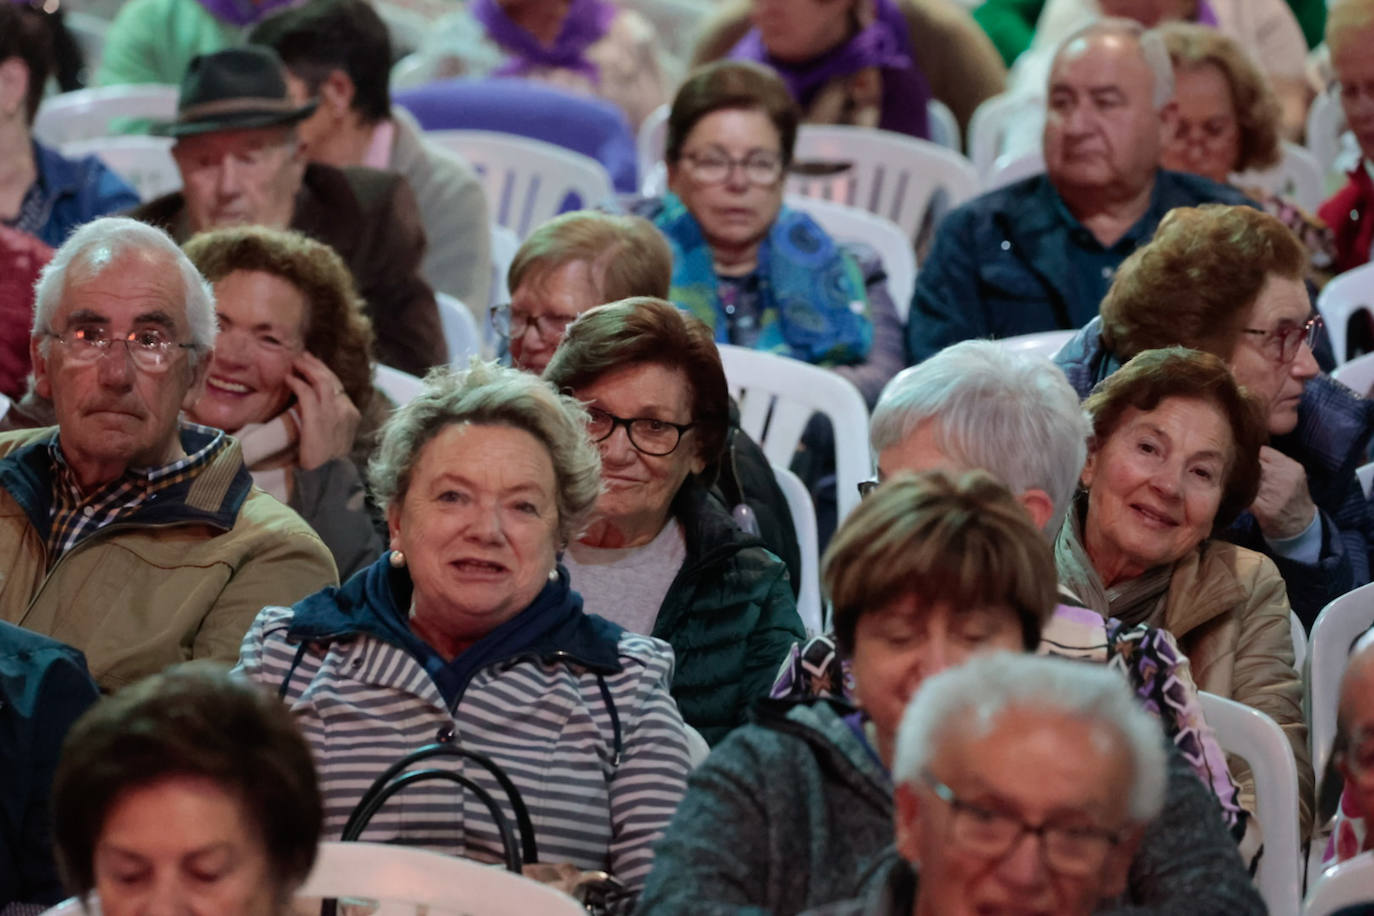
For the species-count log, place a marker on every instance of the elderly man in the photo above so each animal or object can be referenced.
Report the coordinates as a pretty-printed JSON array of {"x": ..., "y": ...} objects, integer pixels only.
[
  {"x": 136, "y": 539},
  {"x": 1355, "y": 756},
  {"x": 1039, "y": 254},
  {"x": 241, "y": 163},
  {"x": 339, "y": 53},
  {"x": 1350, "y": 212}
]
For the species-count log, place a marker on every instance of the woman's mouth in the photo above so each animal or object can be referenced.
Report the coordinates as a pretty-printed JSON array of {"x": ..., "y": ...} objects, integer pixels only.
[
  {"x": 1153, "y": 518},
  {"x": 227, "y": 386},
  {"x": 478, "y": 567}
]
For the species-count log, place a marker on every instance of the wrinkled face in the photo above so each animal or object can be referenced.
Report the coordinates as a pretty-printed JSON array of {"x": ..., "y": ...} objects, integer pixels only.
[
  {"x": 182, "y": 845},
  {"x": 1155, "y": 485},
  {"x": 1357, "y": 715},
  {"x": 1354, "y": 67},
  {"x": 545, "y": 305},
  {"x": 261, "y": 332},
  {"x": 1101, "y": 128},
  {"x": 898, "y": 646},
  {"x": 240, "y": 177},
  {"x": 112, "y": 413},
  {"x": 639, "y": 488},
  {"x": 1257, "y": 361},
  {"x": 478, "y": 526},
  {"x": 733, "y": 212},
  {"x": 1041, "y": 768},
  {"x": 798, "y": 30},
  {"x": 1206, "y": 137}
]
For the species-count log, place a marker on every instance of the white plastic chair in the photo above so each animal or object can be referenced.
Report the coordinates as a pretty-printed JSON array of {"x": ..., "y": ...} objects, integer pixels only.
[
  {"x": 1343, "y": 297},
  {"x": 1325, "y": 125},
  {"x": 400, "y": 387},
  {"x": 850, "y": 224},
  {"x": 1041, "y": 343},
  {"x": 650, "y": 141},
  {"x": 88, "y": 113},
  {"x": 1254, "y": 736},
  {"x": 1298, "y": 176},
  {"x": 1299, "y": 639},
  {"x": 72, "y": 907},
  {"x": 777, "y": 396},
  {"x": 527, "y": 181},
  {"x": 803, "y": 513},
  {"x": 1365, "y": 473},
  {"x": 460, "y": 329},
  {"x": 1009, "y": 168},
  {"x": 1357, "y": 375},
  {"x": 1328, "y": 648},
  {"x": 943, "y": 126},
  {"x": 1345, "y": 884},
  {"x": 146, "y": 163},
  {"x": 890, "y": 174},
  {"x": 988, "y": 125}
]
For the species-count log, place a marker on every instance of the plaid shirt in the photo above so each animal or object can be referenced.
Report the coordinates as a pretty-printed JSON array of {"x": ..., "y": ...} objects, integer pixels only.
[{"x": 75, "y": 515}]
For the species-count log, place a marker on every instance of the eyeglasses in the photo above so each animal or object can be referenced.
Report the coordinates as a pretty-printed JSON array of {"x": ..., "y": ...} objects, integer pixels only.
[
  {"x": 650, "y": 436},
  {"x": 763, "y": 169},
  {"x": 866, "y": 487},
  {"x": 1281, "y": 344},
  {"x": 1074, "y": 852},
  {"x": 511, "y": 324},
  {"x": 1212, "y": 132},
  {"x": 151, "y": 349}
]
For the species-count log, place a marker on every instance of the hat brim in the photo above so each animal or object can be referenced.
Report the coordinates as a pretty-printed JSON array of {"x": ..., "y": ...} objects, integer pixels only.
[{"x": 247, "y": 120}]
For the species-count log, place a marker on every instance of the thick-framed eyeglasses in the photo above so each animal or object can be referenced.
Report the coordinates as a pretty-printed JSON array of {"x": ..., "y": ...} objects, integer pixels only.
[
  {"x": 150, "y": 348},
  {"x": 1212, "y": 132},
  {"x": 510, "y": 324},
  {"x": 1281, "y": 344},
  {"x": 1071, "y": 851},
  {"x": 763, "y": 169},
  {"x": 650, "y": 436}
]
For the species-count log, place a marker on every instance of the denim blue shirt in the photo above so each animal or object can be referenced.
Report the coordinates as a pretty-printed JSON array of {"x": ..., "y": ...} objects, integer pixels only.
[{"x": 68, "y": 193}]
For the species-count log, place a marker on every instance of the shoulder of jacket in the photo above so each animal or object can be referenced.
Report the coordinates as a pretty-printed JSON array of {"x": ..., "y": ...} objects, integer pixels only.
[{"x": 263, "y": 514}]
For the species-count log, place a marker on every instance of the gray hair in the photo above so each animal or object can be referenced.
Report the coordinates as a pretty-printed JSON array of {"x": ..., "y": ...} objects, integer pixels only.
[
  {"x": 487, "y": 394},
  {"x": 1013, "y": 415},
  {"x": 1152, "y": 50},
  {"x": 974, "y": 696},
  {"x": 101, "y": 242}
]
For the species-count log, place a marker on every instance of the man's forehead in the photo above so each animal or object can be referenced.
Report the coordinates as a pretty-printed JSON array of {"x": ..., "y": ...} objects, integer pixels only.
[
  {"x": 234, "y": 139},
  {"x": 115, "y": 285},
  {"x": 1100, "y": 60}
]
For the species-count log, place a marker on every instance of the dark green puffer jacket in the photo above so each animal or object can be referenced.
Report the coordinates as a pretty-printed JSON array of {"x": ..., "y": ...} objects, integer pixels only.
[{"x": 729, "y": 616}]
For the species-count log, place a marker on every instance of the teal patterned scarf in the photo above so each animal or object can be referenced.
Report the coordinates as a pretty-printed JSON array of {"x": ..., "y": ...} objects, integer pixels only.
[{"x": 814, "y": 307}]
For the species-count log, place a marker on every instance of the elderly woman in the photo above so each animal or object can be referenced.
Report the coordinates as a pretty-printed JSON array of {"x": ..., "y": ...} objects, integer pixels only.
[
  {"x": 760, "y": 274},
  {"x": 467, "y": 631},
  {"x": 290, "y": 378},
  {"x": 1174, "y": 456},
  {"x": 662, "y": 555},
  {"x": 189, "y": 792},
  {"x": 1228, "y": 122},
  {"x": 1228, "y": 280}
]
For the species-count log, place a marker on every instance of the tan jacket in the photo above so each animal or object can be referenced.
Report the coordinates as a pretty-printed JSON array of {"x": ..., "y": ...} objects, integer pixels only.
[
  {"x": 138, "y": 598},
  {"x": 1228, "y": 609}
]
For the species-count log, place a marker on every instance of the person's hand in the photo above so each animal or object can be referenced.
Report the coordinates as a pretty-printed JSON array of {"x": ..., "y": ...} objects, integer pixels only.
[
  {"x": 1283, "y": 507},
  {"x": 328, "y": 418},
  {"x": 564, "y": 876}
]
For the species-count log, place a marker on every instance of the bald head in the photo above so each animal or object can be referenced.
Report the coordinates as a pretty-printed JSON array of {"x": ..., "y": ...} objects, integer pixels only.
[{"x": 1357, "y": 688}]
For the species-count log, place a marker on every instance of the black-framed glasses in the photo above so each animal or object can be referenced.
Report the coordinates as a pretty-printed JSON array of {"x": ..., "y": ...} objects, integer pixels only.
[
  {"x": 150, "y": 348},
  {"x": 1071, "y": 851},
  {"x": 760, "y": 168},
  {"x": 510, "y": 324},
  {"x": 1281, "y": 344},
  {"x": 648, "y": 435}
]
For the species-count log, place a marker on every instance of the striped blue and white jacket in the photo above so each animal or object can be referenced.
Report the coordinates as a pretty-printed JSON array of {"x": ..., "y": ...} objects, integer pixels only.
[{"x": 574, "y": 709}]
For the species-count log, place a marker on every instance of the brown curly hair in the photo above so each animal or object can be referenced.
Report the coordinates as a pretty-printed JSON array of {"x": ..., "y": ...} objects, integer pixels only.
[{"x": 336, "y": 330}]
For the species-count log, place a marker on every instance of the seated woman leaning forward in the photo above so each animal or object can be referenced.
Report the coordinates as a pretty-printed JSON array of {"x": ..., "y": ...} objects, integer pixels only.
[
  {"x": 663, "y": 555},
  {"x": 468, "y": 632},
  {"x": 291, "y": 378},
  {"x": 1174, "y": 456}
]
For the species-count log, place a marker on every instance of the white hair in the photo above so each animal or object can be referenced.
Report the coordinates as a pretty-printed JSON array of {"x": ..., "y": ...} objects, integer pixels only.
[
  {"x": 1013, "y": 415},
  {"x": 1152, "y": 50},
  {"x": 975, "y": 696},
  {"x": 100, "y": 243}
]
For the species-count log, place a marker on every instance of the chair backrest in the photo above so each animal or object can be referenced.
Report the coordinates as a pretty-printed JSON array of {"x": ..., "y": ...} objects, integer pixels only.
[
  {"x": 988, "y": 125},
  {"x": 803, "y": 513},
  {"x": 413, "y": 877},
  {"x": 1365, "y": 473},
  {"x": 400, "y": 387},
  {"x": 460, "y": 329},
  {"x": 504, "y": 245},
  {"x": 1328, "y": 648},
  {"x": 528, "y": 182},
  {"x": 1325, "y": 124},
  {"x": 650, "y": 142},
  {"x": 1299, "y": 639},
  {"x": 1013, "y": 167},
  {"x": 72, "y": 907},
  {"x": 778, "y": 395},
  {"x": 944, "y": 126},
  {"x": 850, "y": 224},
  {"x": 1041, "y": 343},
  {"x": 1358, "y": 374},
  {"x": 1346, "y": 884},
  {"x": 89, "y": 113},
  {"x": 1254, "y": 736},
  {"x": 890, "y": 174},
  {"x": 1298, "y": 176},
  {"x": 146, "y": 163},
  {"x": 1343, "y": 297}
]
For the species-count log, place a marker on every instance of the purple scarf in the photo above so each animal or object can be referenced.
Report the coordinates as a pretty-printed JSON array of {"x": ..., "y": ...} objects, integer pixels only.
[
  {"x": 586, "y": 23},
  {"x": 1205, "y": 14},
  {"x": 885, "y": 44},
  {"x": 241, "y": 12}
]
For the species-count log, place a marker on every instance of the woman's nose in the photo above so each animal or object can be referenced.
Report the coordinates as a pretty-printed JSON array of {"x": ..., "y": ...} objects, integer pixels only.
[{"x": 617, "y": 448}]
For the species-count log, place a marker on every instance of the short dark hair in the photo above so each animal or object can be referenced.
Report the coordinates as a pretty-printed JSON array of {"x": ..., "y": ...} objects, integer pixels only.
[
  {"x": 25, "y": 34},
  {"x": 322, "y": 36},
  {"x": 648, "y": 331},
  {"x": 732, "y": 84},
  {"x": 1177, "y": 372},
  {"x": 194, "y": 719}
]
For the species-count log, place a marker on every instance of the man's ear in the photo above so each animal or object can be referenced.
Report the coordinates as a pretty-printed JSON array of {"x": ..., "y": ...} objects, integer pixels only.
[
  {"x": 337, "y": 93},
  {"x": 196, "y": 384},
  {"x": 1038, "y": 505},
  {"x": 1116, "y": 870},
  {"x": 908, "y": 826},
  {"x": 42, "y": 381},
  {"x": 1168, "y": 121}
]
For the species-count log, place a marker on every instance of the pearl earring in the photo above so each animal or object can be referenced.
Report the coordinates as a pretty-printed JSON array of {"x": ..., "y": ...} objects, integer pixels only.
[
  {"x": 398, "y": 559},
  {"x": 553, "y": 574}
]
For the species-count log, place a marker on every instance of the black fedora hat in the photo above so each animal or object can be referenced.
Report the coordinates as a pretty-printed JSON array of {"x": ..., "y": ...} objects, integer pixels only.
[{"x": 234, "y": 89}]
